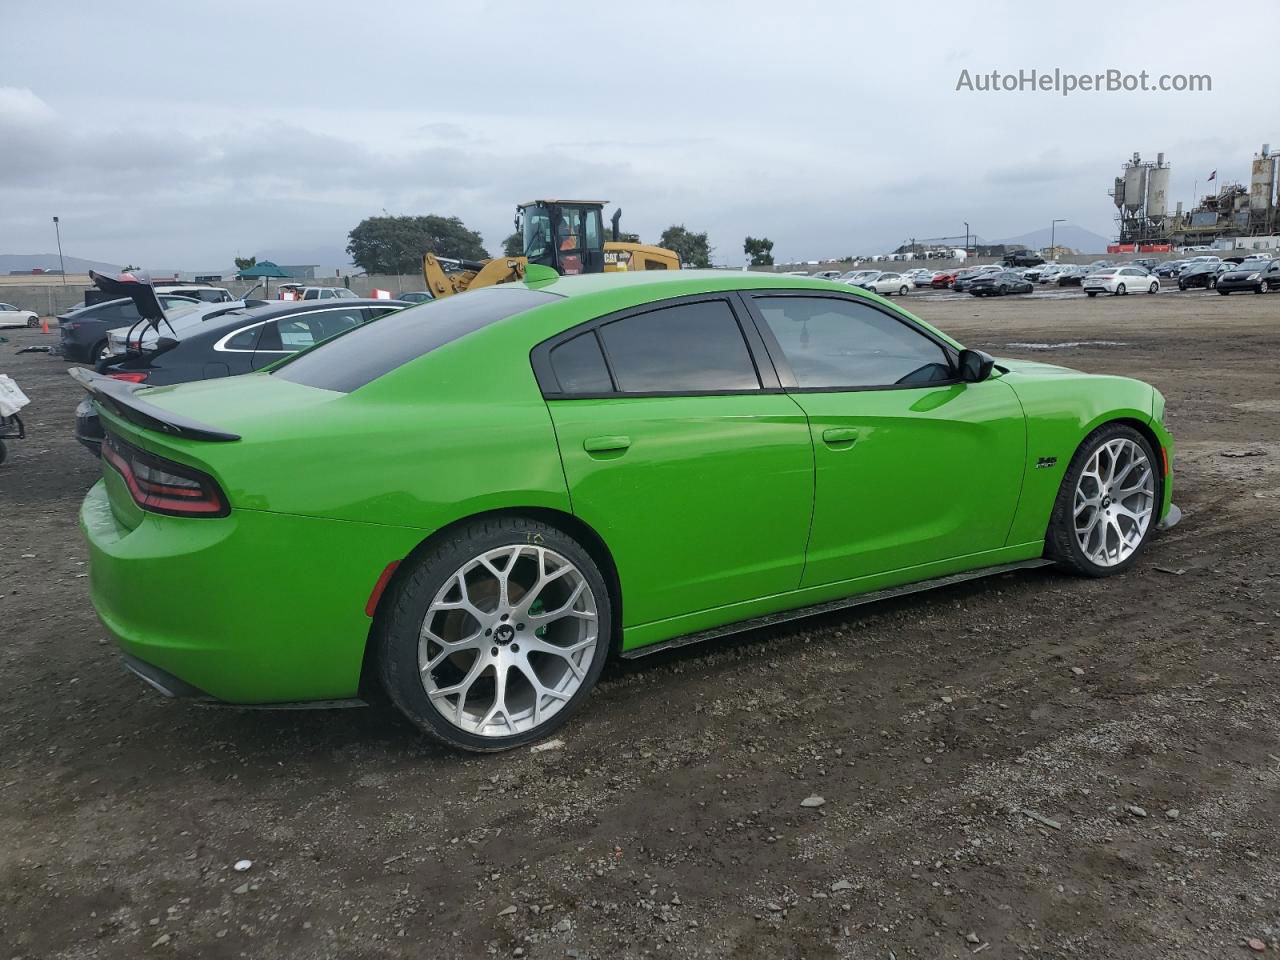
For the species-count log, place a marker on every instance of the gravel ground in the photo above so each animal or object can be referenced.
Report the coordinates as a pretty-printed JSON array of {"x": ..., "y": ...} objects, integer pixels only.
[{"x": 1034, "y": 765}]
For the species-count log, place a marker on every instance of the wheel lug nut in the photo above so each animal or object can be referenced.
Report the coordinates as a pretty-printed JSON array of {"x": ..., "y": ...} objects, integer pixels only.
[
  {"x": 515, "y": 648},
  {"x": 493, "y": 652},
  {"x": 487, "y": 631},
  {"x": 519, "y": 626},
  {"x": 504, "y": 616}
]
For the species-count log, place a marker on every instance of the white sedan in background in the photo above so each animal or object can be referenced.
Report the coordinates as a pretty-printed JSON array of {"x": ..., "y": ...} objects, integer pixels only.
[
  {"x": 1119, "y": 281},
  {"x": 11, "y": 316},
  {"x": 888, "y": 284}
]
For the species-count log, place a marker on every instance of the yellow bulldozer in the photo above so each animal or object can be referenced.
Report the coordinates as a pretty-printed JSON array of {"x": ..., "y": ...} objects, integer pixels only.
[{"x": 565, "y": 235}]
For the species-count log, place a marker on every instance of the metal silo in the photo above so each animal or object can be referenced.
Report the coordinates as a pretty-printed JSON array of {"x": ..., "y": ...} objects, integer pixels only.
[
  {"x": 1117, "y": 192},
  {"x": 1135, "y": 185},
  {"x": 1158, "y": 191},
  {"x": 1262, "y": 180}
]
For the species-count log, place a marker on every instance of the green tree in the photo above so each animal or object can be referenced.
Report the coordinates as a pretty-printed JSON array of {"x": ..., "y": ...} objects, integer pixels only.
[
  {"x": 513, "y": 246},
  {"x": 624, "y": 237},
  {"x": 396, "y": 244},
  {"x": 244, "y": 263},
  {"x": 760, "y": 251},
  {"x": 694, "y": 248}
]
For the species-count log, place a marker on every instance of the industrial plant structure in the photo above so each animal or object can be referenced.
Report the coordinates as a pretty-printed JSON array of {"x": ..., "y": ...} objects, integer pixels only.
[{"x": 1235, "y": 216}]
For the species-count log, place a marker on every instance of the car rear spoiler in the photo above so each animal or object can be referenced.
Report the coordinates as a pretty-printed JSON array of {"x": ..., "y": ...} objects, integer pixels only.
[
  {"x": 140, "y": 292},
  {"x": 120, "y": 397}
]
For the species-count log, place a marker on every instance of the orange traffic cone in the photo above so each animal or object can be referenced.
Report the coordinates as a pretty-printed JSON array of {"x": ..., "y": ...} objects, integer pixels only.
[{"x": 44, "y": 324}]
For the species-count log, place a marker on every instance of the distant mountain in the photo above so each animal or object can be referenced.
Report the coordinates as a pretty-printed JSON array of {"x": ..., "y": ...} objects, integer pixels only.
[
  {"x": 1066, "y": 235},
  {"x": 27, "y": 262}
]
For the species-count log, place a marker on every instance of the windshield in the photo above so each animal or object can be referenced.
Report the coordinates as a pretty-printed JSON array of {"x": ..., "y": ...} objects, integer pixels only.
[{"x": 1253, "y": 265}]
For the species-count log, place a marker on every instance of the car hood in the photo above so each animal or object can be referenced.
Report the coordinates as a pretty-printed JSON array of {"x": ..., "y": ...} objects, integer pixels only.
[{"x": 1032, "y": 368}]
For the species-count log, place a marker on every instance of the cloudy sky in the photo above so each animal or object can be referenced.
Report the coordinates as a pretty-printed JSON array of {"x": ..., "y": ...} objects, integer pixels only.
[{"x": 180, "y": 134}]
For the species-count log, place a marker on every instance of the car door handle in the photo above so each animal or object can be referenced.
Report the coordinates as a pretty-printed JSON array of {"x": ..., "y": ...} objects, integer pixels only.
[
  {"x": 614, "y": 444},
  {"x": 839, "y": 436}
]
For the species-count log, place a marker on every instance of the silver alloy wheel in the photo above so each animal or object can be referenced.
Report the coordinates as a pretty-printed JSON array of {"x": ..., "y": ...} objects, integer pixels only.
[
  {"x": 508, "y": 640},
  {"x": 1114, "y": 500}
]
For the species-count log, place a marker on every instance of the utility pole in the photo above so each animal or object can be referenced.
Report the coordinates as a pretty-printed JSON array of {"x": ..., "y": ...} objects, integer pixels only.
[
  {"x": 61, "y": 263},
  {"x": 1052, "y": 228},
  {"x": 966, "y": 237}
]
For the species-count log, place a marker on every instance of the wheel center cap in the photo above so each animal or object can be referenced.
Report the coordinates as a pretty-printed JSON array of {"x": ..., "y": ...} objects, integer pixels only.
[
  {"x": 504, "y": 634},
  {"x": 1106, "y": 503}
]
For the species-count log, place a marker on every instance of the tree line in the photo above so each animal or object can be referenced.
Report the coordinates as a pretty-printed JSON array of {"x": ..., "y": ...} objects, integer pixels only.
[{"x": 391, "y": 244}]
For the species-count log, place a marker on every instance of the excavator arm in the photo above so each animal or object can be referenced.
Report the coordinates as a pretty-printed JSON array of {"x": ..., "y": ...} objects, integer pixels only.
[{"x": 446, "y": 276}]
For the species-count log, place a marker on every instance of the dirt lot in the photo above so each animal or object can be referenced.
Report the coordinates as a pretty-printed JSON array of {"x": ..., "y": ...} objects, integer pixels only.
[{"x": 1140, "y": 715}]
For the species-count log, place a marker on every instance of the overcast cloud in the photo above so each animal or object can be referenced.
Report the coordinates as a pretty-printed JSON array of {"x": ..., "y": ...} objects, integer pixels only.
[{"x": 178, "y": 135}]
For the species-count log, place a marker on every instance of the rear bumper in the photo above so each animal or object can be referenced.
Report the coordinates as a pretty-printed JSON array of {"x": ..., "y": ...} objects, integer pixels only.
[
  {"x": 252, "y": 608},
  {"x": 89, "y": 433}
]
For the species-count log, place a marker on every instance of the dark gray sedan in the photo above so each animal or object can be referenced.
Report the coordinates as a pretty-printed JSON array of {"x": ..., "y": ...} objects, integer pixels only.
[{"x": 241, "y": 341}]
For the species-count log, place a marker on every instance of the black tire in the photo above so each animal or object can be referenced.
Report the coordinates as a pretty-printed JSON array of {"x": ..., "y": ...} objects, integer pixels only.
[
  {"x": 401, "y": 613},
  {"x": 4, "y": 451},
  {"x": 902, "y": 291},
  {"x": 1154, "y": 288},
  {"x": 1181, "y": 285},
  {"x": 1224, "y": 292},
  {"x": 1060, "y": 540},
  {"x": 33, "y": 322},
  {"x": 1121, "y": 290},
  {"x": 1259, "y": 289},
  {"x": 1091, "y": 293},
  {"x": 1212, "y": 284},
  {"x": 98, "y": 352}
]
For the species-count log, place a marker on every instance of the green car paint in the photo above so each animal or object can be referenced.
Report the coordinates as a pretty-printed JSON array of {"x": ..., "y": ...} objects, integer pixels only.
[{"x": 706, "y": 510}]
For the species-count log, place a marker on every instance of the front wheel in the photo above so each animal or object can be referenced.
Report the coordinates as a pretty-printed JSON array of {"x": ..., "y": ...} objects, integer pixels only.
[
  {"x": 1259, "y": 289},
  {"x": 1154, "y": 288},
  {"x": 494, "y": 638},
  {"x": 33, "y": 322},
  {"x": 1106, "y": 506},
  {"x": 1224, "y": 292},
  {"x": 1181, "y": 285}
]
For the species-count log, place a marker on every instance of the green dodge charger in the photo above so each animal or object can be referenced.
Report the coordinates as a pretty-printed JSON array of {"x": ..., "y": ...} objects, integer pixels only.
[{"x": 475, "y": 502}]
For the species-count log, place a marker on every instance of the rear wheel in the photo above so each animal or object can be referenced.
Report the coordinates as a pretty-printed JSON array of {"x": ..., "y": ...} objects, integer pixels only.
[
  {"x": 1091, "y": 293},
  {"x": 496, "y": 636},
  {"x": 1106, "y": 506},
  {"x": 1120, "y": 290},
  {"x": 902, "y": 291},
  {"x": 99, "y": 352}
]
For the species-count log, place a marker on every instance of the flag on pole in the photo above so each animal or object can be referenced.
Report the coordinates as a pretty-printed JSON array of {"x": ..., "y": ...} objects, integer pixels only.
[{"x": 1214, "y": 175}]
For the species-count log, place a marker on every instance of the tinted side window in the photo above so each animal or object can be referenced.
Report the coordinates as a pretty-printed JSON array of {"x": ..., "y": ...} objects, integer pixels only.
[
  {"x": 691, "y": 347},
  {"x": 842, "y": 343},
  {"x": 579, "y": 365},
  {"x": 245, "y": 339}
]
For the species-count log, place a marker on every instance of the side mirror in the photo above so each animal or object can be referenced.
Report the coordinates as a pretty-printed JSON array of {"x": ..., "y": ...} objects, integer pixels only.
[{"x": 975, "y": 366}]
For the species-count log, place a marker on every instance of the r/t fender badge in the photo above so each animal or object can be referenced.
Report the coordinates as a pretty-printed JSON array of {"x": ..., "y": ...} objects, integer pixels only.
[{"x": 1044, "y": 463}]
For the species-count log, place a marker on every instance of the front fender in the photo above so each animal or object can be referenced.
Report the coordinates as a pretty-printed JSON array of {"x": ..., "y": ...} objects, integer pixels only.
[{"x": 1063, "y": 407}]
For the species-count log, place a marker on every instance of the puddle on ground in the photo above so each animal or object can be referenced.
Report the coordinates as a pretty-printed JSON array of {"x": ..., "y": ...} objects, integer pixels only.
[{"x": 1066, "y": 344}]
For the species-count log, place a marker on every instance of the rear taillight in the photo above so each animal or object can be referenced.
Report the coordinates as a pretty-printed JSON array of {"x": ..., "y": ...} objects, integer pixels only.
[
  {"x": 162, "y": 486},
  {"x": 129, "y": 377}
]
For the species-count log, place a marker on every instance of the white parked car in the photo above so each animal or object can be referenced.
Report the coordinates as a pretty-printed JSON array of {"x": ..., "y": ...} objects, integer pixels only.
[
  {"x": 11, "y": 316},
  {"x": 1119, "y": 281},
  {"x": 144, "y": 336},
  {"x": 888, "y": 284},
  {"x": 826, "y": 275},
  {"x": 197, "y": 291}
]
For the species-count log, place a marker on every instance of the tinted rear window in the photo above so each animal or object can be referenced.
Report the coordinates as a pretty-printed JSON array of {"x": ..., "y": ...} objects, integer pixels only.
[
  {"x": 689, "y": 348},
  {"x": 349, "y": 361}
]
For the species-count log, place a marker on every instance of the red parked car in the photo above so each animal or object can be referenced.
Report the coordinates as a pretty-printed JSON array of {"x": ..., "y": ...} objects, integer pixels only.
[{"x": 943, "y": 281}]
